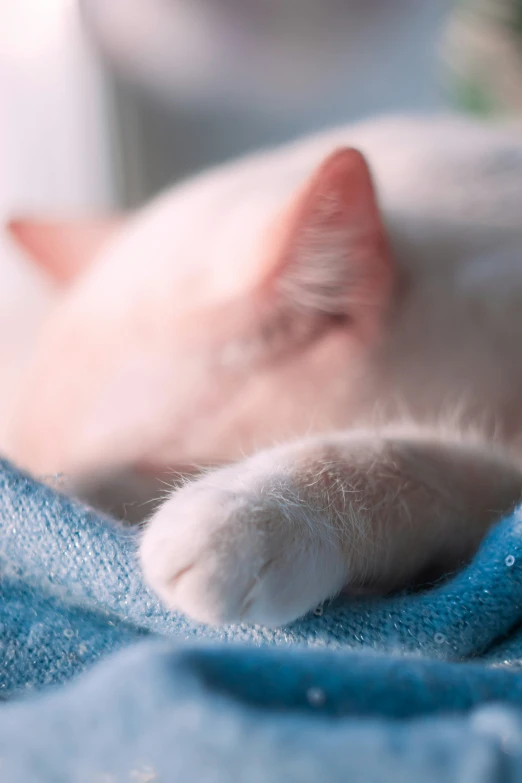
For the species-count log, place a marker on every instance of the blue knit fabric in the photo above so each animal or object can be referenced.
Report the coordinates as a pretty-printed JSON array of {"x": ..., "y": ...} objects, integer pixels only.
[{"x": 415, "y": 687}]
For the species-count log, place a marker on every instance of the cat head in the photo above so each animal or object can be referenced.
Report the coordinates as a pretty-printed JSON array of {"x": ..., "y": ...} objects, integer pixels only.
[{"x": 202, "y": 329}]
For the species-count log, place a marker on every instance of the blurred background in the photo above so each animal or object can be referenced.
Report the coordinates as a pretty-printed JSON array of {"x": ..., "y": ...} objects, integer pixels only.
[{"x": 103, "y": 102}]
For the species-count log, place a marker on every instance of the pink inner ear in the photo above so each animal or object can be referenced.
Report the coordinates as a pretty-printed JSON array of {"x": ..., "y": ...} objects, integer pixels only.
[
  {"x": 63, "y": 249},
  {"x": 334, "y": 256}
]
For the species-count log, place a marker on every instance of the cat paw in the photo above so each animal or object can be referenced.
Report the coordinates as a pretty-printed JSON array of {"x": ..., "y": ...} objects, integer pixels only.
[{"x": 231, "y": 548}]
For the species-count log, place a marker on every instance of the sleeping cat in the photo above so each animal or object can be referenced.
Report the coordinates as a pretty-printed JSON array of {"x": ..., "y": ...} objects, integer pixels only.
[{"x": 330, "y": 331}]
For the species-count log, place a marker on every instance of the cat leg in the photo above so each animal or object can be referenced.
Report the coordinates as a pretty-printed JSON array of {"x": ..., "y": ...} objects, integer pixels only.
[{"x": 266, "y": 540}]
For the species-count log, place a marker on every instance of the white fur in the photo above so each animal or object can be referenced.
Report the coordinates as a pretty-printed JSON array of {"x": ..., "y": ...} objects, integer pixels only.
[
  {"x": 256, "y": 541},
  {"x": 217, "y": 538}
]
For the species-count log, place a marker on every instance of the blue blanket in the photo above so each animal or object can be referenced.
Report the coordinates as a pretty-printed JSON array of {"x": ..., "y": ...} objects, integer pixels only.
[{"x": 421, "y": 687}]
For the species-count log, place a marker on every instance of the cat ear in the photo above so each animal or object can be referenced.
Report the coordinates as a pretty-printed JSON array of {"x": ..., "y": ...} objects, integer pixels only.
[
  {"x": 63, "y": 248},
  {"x": 333, "y": 258}
]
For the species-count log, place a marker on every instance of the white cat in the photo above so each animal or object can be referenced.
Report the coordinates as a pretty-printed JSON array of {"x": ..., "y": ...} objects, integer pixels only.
[{"x": 278, "y": 308}]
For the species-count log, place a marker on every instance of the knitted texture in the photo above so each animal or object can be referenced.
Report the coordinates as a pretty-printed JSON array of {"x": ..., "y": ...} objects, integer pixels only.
[{"x": 366, "y": 690}]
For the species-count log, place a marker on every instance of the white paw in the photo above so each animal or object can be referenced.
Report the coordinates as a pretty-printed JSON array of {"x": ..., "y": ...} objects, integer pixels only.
[{"x": 239, "y": 547}]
